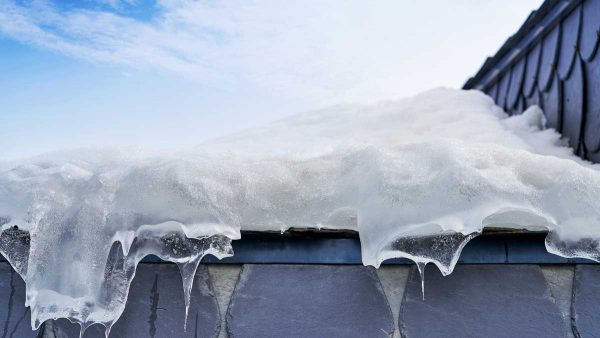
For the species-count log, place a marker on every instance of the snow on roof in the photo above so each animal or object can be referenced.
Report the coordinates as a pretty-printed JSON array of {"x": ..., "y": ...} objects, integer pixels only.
[{"x": 417, "y": 178}]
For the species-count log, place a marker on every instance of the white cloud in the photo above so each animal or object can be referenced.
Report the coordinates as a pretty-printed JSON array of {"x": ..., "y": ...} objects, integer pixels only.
[{"x": 323, "y": 50}]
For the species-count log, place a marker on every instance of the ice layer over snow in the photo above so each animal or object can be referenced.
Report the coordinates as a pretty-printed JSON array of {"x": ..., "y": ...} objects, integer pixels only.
[{"x": 417, "y": 178}]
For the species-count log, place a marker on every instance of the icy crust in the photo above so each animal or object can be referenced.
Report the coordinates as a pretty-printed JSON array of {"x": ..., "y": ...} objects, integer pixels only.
[
  {"x": 418, "y": 178},
  {"x": 108, "y": 297},
  {"x": 471, "y": 187},
  {"x": 443, "y": 164},
  {"x": 76, "y": 209}
]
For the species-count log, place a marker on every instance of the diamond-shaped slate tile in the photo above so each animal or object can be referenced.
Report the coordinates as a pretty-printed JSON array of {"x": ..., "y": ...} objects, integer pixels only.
[
  {"x": 480, "y": 301},
  {"x": 586, "y": 297},
  {"x": 309, "y": 301},
  {"x": 155, "y": 308},
  {"x": 15, "y": 319}
]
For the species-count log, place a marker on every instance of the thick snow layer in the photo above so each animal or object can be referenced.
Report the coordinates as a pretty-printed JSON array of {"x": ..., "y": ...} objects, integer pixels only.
[{"x": 417, "y": 178}]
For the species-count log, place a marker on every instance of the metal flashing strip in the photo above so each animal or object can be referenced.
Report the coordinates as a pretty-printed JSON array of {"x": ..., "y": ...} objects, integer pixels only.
[
  {"x": 312, "y": 248},
  {"x": 343, "y": 247}
]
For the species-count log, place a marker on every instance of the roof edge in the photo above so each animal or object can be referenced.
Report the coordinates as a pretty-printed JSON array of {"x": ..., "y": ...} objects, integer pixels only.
[{"x": 537, "y": 25}]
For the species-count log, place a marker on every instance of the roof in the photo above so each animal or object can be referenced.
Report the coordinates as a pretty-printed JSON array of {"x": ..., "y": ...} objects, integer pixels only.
[
  {"x": 301, "y": 284},
  {"x": 552, "y": 62}
]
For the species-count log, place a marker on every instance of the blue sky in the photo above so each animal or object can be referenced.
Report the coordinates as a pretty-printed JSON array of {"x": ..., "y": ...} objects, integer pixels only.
[{"x": 167, "y": 73}]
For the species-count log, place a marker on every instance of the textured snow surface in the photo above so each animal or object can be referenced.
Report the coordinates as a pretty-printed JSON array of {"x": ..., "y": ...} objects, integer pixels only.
[{"x": 417, "y": 178}]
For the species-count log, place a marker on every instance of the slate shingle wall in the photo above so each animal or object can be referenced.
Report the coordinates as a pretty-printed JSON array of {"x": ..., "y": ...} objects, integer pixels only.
[
  {"x": 552, "y": 62},
  {"x": 280, "y": 300}
]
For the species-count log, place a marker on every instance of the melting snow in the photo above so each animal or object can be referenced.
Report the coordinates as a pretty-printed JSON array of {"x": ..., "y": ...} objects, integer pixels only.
[{"x": 418, "y": 178}]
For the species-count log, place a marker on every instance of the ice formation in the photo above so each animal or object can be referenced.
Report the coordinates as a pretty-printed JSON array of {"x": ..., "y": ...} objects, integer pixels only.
[{"x": 417, "y": 178}]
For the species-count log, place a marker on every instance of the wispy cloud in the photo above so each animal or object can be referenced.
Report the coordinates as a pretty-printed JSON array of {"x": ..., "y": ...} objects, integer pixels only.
[
  {"x": 274, "y": 44},
  {"x": 320, "y": 49}
]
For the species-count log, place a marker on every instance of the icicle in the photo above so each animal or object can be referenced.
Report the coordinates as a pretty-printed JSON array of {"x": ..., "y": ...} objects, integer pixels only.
[
  {"x": 107, "y": 327},
  {"x": 442, "y": 248},
  {"x": 188, "y": 272},
  {"x": 587, "y": 247},
  {"x": 82, "y": 328},
  {"x": 421, "y": 267}
]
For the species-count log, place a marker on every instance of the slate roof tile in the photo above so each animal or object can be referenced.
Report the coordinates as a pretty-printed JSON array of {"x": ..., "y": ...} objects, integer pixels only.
[
  {"x": 480, "y": 301},
  {"x": 503, "y": 86},
  {"x": 516, "y": 84},
  {"x": 584, "y": 306},
  {"x": 548, "y": 59},
  {"x": 531, "y": 70},
  {"x": 592, "y": 100},
  {"x": 573, "y": 96},
  {"x": 589, "y": 29},
  {"x": 15, "y": 319},
  {"x": 309, "y": 301},
  {"x": 552, "y": 104},
  {"x": 571, "y": 27}
]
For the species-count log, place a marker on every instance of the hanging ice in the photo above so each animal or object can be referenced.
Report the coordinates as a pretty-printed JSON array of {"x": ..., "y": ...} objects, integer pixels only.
[{"x": 417, "y": 178}]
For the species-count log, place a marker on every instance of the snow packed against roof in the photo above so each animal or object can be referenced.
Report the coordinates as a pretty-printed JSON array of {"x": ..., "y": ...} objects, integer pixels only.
[{"x": 417, "y": 178}]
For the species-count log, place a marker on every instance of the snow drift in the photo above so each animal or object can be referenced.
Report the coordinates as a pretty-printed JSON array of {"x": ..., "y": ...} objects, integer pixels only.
[{"x": 417, "y": 178}]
